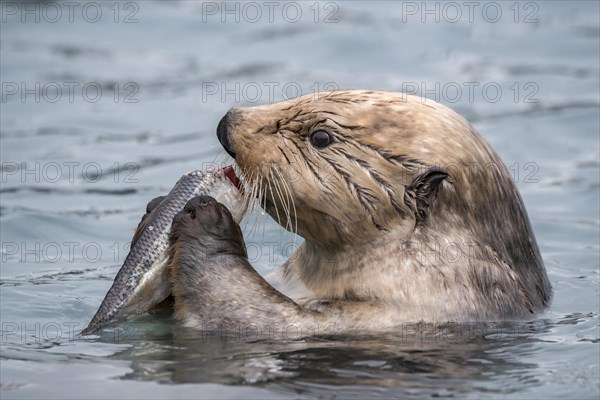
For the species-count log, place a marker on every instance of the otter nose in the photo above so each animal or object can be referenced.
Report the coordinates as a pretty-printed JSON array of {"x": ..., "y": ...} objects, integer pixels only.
[{"x": 224, "y": 130}]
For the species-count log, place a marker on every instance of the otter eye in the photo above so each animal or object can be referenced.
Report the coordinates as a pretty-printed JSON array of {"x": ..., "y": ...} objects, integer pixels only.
[{"x": 320, "y": 139}]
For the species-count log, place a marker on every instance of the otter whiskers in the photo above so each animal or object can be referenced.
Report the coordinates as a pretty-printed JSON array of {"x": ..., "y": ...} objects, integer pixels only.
[
  {"x": 279, "y": 184},
  {"x": 289, "y": 199}
]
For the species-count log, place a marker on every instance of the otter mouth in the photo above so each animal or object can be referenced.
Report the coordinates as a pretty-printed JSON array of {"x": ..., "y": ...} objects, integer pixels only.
[
  {"x": 263, "y": 199},
  {"x": 229, "y": 173}
]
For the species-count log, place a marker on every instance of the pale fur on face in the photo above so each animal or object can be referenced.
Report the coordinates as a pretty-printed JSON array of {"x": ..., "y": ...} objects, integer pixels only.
[{"x": 355, "y": 187}]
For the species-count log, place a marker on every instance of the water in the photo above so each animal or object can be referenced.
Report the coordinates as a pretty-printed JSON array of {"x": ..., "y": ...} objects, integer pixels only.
[{"x": 78, "y": 168}]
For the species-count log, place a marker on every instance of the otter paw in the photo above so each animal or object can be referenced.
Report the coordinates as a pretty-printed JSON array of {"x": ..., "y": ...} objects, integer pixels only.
[
  {"x": 203, "y": 217},
  {"x": 153, "y": 203},
  {"x": 203, "y": 212}
]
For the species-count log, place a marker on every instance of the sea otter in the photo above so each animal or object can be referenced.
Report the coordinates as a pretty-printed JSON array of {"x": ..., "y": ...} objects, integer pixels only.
[{"x": 407, "y": 215}]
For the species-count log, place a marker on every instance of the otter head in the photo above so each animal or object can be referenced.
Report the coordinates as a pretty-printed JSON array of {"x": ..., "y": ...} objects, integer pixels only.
[
  {"x": 342, "y": 166},
  {"x": 359, "y": 174}
]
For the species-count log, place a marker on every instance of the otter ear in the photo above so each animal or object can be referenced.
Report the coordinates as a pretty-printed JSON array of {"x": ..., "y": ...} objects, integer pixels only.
[{"x": 424, "y": 188}]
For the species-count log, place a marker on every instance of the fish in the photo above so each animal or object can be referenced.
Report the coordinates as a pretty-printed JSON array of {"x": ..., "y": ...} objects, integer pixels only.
[{"x": 143, "y": 280}]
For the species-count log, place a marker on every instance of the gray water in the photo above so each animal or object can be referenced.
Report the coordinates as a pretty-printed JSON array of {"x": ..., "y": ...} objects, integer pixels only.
[{"x": 128, "y": 100}]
